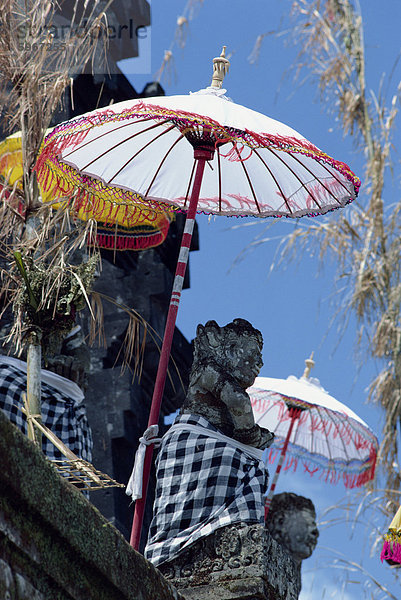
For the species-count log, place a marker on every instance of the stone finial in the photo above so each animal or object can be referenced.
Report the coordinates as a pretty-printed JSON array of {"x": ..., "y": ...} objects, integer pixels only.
[
  {"x": 221, "y": 65},
  {"x": 310, "y": 363}
]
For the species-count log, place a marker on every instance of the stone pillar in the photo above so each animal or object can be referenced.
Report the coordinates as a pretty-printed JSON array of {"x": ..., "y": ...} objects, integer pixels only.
[{"x": 239, "y": 562}]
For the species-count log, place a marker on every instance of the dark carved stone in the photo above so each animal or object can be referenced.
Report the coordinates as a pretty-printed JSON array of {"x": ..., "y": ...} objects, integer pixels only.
[
  {"x": 292, "y": 523},
  {"x": 226, "y": 362},
  {"x": 238, "y": 562}
]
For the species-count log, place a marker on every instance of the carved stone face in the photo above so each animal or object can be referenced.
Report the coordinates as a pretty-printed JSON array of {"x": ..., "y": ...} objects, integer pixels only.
[
  {"x": 299, "y": 533},
  {"x": 244, "y": 360}
]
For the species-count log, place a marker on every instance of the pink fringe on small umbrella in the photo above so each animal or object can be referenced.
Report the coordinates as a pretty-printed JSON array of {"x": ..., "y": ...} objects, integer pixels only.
[{"x": 391, "y": 551}]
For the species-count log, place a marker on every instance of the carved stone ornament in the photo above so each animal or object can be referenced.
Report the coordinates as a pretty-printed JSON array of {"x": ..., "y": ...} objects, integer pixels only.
[{"x": 235, "y": 562}]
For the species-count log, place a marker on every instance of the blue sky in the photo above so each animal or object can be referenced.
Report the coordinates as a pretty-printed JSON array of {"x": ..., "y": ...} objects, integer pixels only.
[{"x": 293, "y": 308}]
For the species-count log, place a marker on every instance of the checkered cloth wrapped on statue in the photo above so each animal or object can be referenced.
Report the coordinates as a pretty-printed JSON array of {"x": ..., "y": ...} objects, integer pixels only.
[
  {"x": 210, "y": 472},
  {"x": 205, "y": 481},
  {"x": 63, "y": 411}
]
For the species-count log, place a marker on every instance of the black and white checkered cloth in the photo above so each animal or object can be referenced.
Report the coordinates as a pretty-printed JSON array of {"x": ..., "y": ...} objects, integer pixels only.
[
  {"x": 203, "y": 483},
  {"x": 62, "y": 409}
]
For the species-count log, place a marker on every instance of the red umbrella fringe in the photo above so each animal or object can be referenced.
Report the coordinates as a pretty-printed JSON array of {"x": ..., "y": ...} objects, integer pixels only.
[
  {"x": 329, "y": 474},
  {"x": 343, "y": 430},
  {"x": 71, "y": 133},
  {"x": 391, "y": 550},
  {"x": 363, "y": 471},
  {"x": 135, "y": 240}
]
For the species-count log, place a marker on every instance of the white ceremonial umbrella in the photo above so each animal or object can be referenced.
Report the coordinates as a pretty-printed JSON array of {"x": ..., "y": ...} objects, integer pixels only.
[
  {"x": 200, "y": 152},
  {"x": 313, "y": 429}
]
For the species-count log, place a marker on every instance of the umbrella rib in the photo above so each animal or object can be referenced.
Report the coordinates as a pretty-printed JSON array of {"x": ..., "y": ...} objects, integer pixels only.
[
  {"x": 342, "y": 441},
  {"x": 139, "y": 151},
  {"x": 321, "y": 183},
  {"x": 161, "y": 163},
  {"x": 275, "y": 179},
  {"x": 247, "y": 176},
  {"x": 189, "y": 183},
  {"x": 296, "y": 176},
  {"x": 116, "y": 129},
  {"x": 269, "y": 408},
  {"x": 335, "y": 176},
  {"x": 219, "y": 175},
  {"x": 321, "y": 415},
  {"x": 123, "y": 142}
]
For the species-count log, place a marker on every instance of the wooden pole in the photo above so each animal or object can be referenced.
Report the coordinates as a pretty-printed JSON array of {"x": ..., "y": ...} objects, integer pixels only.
[
  {"x": 201, "y": 155},
  {"x": 34, "y": 359},
  {"x": 294, "y": 415}
]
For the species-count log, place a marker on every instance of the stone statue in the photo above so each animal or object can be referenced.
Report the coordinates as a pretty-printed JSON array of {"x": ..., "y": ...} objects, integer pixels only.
[
  {"x": 226, "y": 362},
  {"x": 291, "y": 522},
  {"x": 210, "y": 472}
]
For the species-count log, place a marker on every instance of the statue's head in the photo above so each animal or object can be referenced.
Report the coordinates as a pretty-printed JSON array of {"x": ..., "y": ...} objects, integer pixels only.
[
  {"x": 292, "y": 523},
  {"x": 236, "y": 347}
]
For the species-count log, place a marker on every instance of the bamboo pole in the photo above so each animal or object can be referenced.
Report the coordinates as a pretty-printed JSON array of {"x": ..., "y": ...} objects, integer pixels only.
[
  {"x": 33, "y": 388},
  {"x": 34, "y": 354},
  {"x": 35, "y": 423}
]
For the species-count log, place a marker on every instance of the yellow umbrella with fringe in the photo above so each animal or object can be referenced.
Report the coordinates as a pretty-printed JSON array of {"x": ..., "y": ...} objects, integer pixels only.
[{"x": 115, "y": 229}]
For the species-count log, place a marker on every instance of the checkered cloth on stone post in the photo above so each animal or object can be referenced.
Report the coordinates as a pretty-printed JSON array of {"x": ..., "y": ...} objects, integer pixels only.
[
  {"x": 202, "y": 484},
  {"x": 62, "y": 412}
]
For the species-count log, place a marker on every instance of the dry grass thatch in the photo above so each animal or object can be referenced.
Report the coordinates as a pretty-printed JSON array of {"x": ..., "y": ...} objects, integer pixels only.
[
  {"x": 35, "y": 70},
  {"x": 365, "y": 238},
  {"x": 46, "y": 268}
]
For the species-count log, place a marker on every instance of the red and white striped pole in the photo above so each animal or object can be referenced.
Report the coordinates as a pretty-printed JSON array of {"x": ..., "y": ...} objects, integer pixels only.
[
  {"x": 294, "y": 413},
  {"x": 201, "y": 155}
]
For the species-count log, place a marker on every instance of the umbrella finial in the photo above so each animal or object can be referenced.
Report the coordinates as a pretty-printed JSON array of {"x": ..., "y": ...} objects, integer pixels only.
[
  {"x": 221, "y": 65},
  {"x": 310, "y": 363}
]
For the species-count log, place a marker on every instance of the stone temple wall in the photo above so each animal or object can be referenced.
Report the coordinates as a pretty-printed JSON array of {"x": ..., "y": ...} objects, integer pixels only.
[{"x": 54, "y": 545}]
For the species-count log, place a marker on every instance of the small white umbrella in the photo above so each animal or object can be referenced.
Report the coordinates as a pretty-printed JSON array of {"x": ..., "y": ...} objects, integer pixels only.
[{"x": 314, "y": 429}]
